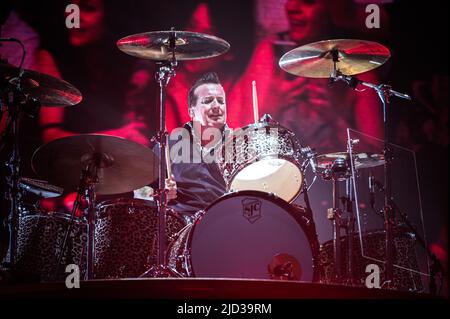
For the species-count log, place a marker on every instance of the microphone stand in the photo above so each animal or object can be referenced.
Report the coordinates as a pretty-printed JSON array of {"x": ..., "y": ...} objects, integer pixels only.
[
  {"x": 76, "y": 205},
  {"x": 88, "y": 180},
  {"x": 384, "y": 93}
]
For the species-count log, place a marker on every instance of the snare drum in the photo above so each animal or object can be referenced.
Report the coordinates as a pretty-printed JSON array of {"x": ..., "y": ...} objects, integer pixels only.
[
  {"x": 247, "y": 234},
  {"x": 39, "y": 242},
  {"x": 263, "y": 157},
  {"x": 126, "y": 237}
]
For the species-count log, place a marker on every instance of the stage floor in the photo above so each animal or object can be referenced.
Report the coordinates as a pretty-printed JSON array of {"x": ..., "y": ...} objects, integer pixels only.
[{"x": 198, "y": 288}]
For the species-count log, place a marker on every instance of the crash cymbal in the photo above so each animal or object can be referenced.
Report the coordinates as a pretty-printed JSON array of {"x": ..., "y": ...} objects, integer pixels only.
[
  {"x": 315, "y": 60},
  {"x": 361, "y": 160},
  {"x": 49, "y": 91},
  {"x": 188, "y": 45},
  {"x": 40, "y": 188},
  {"x": 122, "y": 165}
]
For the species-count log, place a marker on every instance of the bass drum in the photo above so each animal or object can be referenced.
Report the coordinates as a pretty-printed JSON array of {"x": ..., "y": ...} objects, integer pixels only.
[
  {"x": 126, "y": 237},
  {"x": 248, "y": 234}
]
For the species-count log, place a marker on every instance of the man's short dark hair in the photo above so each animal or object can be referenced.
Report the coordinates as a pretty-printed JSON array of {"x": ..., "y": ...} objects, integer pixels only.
[{"x": 207, "y": 78}]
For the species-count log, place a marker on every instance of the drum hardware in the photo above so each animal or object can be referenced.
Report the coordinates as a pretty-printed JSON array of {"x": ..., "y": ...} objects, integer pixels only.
[
  {"x": 40, "y": 188},
  {"x": 340, "y": 60},
  {"x": 338, "y": 167},
  {"x": 334, "y": 214},
  {"x": 345, "y": 163},
  {"x": 348, "y": 202},
  {"x": 12, "y": 96},
  {"x": 310, "y": 156},
  {"x": 102, "y": 164},
  {"x": 24, "y": 91},
  {"x": 13, "y": 194},
  {"x": 308, "y": 219},
  {"x": 384, "y": 93},
  {"x": 165, "y": 72},
  {"x": 167, "y": 48}
]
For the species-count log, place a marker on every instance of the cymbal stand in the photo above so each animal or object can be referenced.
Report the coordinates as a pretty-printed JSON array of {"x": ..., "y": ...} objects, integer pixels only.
[
  {"x": 91, "y": 196},
  {"x": 166, "y": 71},
  {"x": 350, "y": 225},
  {"x": 384, "y": 93},
  {"x": 350, "y": 230},
  {"x": 337, "y": 172},
  {"x": 16, "y": 102},
  {"x": 13, "y": 194}
]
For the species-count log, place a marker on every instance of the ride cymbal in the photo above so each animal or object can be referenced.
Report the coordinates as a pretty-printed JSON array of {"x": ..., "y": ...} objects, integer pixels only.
[{"x": 315, "y": 60}]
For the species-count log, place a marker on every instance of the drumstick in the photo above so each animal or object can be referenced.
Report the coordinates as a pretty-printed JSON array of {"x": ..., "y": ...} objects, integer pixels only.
[
  {"x": 168, "y": 166},
  {"x": 255, "y": 102}
]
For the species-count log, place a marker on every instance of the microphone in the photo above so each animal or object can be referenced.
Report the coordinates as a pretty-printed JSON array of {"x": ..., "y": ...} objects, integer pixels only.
[{"x": 371, "y": 190}]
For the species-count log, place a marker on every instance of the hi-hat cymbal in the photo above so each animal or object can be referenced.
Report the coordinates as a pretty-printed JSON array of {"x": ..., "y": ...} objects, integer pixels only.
[
  {"x": 40, "y": 188},
  {"x": 361, "y": 160},
  {"x": 156, "y": 45},
  {"x": 315, "y": 60},
  {"x": 122, "y": 165},
  {"x": 49, "y": 91}
]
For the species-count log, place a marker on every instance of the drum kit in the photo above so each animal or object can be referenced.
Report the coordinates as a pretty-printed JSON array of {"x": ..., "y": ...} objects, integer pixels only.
[{"x": 264, "y": 174}]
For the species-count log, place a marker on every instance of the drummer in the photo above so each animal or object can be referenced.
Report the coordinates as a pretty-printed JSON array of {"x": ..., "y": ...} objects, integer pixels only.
[{"x": 199, "y": 181}]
